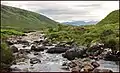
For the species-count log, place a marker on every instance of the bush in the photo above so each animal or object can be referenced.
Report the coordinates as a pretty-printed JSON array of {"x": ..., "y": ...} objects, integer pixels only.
[
  {"x": 6, "y": 56},
  {"x": 111, "y": 43}
]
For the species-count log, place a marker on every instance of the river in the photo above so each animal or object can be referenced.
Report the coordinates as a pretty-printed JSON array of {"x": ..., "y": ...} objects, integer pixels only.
[{"x": 49, "y": 62}]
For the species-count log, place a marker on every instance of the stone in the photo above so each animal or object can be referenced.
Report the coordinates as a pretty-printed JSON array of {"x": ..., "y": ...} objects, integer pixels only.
[
  {"x": 14, "y": 49},
  {"x": 95, "y": 64},
  {"x": 34, "y": 61}
]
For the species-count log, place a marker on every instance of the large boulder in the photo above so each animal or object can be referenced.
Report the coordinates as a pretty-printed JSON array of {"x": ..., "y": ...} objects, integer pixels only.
[
  {"x": 38, "y": 48},
  {"x": 14, "y": 49},
  {"x": 34, "y": 60},
  {"x": 75, "y": 52},
  {"x": 57, "y": 50}
]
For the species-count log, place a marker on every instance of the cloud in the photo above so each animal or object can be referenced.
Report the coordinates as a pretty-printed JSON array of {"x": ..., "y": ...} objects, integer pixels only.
[{"x": 68, "y": 10}]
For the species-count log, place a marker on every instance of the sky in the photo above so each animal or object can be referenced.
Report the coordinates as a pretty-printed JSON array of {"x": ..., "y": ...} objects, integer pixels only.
[{"x": 65, "y": 11}]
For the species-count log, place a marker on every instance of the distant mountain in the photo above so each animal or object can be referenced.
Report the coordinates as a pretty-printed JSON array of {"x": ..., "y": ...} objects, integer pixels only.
[
  {"x": 78, "y": 23},
  {"x": 18, "y": 18},
  {"x": 111, "y": 18}
]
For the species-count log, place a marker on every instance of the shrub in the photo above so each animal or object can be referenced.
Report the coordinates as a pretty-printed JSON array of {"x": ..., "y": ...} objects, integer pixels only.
[{"x": 6, "y": 56}]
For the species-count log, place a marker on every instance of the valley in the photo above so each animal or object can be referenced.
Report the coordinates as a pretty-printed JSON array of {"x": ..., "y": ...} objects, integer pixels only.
[{"x": 31, "y": 42}]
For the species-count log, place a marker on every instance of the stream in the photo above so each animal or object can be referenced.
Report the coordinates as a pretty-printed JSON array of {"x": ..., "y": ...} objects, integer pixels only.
[{"x": 49, "y": 62}]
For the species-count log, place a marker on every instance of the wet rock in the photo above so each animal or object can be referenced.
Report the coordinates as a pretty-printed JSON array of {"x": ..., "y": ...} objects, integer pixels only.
[
  {"x": 41, "y": 48},
  {"x": 102, "y": 70},
  {"x": 35, "y": 53},
  {"x": 24, "y": 46},
  {"x": 57, "y": 50},
  {"x": 87, "y": 67},
  {"x": 14, "y": 49},
  {"x": 75, "y": 52},
  {"x": 34, "y": 61},
  {"x": 76, "y": 69},
  {"x": 95, "y": 64}
]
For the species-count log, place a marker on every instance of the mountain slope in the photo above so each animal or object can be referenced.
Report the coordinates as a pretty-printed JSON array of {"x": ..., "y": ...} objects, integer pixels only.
[
  {"x": 111, "y": 18},
  {"x": 19, "y": 18}
]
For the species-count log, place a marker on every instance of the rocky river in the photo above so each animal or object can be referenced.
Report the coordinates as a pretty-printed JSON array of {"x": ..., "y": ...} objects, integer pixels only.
[{"x": 34, "y": 54}]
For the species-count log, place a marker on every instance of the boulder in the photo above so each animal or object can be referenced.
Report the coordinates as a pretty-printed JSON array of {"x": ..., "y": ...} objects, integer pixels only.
[
  {"x": 95, "y": 64},
  {"x": 57, "y": 50},
  {"x": 34, "y": 61},
  {"x": 74, "y": 52},
  {"x": 14, "y": 49}
]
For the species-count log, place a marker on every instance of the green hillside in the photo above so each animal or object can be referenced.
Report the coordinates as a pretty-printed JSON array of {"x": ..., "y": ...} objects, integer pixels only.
[
  {"x": 113, "y": 17},
  {"x": 12, "y": 17}
]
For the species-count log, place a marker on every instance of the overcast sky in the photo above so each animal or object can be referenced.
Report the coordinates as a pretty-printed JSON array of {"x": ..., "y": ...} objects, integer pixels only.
[{"x": 63, "y": 11}]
